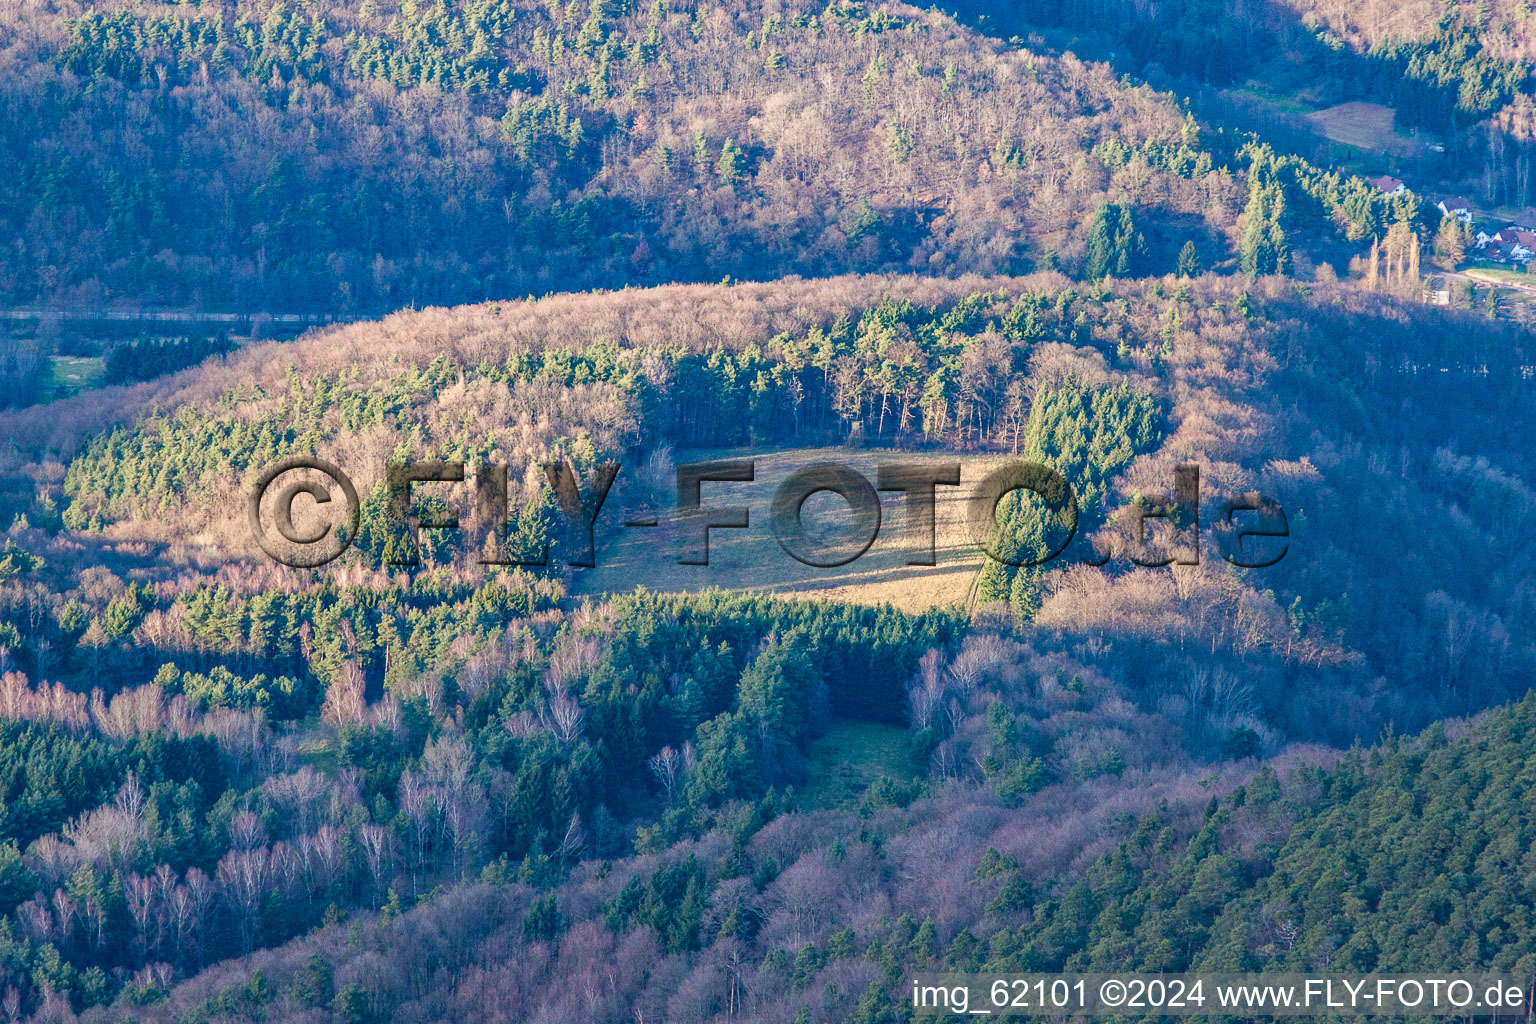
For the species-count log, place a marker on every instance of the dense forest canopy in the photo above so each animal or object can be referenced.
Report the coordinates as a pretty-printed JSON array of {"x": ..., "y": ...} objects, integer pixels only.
[
  {"x": 1460, "y": 73},
  {"x": 367, "y": 156},
  {"x": 300, "y": 156},
  {"x": 509, "y": 726}
]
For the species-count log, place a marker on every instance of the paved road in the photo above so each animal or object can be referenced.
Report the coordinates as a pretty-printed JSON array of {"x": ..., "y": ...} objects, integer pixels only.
[
  {"x": 174, "y": 316},
  {"x": 1487, "y": 280}
]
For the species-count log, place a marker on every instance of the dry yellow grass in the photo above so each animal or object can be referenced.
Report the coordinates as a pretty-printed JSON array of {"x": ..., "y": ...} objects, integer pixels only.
[
  {"x": 1367, "y": 126},
  {"x": 751, "y": 559}
]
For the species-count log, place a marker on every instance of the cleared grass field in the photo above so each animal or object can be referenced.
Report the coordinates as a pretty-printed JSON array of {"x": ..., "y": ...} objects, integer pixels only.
[
  {"x": 1493, "y": 273},
  {"x": 1366, "y": 126},
  {"x": 752, "y": 559},
  {"x": 69, "y": 375},
  {"x": 849, "y": 757}
]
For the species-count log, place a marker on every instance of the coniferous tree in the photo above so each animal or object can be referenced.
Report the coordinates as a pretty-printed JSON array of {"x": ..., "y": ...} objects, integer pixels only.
[
  {"x": 1262, "y": 246},
  {"x": 1189, "y": 261},
  {"x": 1115, "y": 247}
]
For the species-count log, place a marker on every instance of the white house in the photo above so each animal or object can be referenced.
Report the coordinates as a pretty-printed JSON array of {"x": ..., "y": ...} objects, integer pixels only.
[
  {"x": 1506, "y": 251},
  {"x": 1459, "y": 207}
]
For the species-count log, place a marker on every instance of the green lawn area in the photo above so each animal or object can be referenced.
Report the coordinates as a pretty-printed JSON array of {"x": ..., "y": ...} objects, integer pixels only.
[
  {"x": 69, "y": 375},
  {"x": 1497, "y": 272},
  {"x": 316, "y": 750},
  {"x": 1288, "y": 102},
  {"x": 849, "y": 757}
]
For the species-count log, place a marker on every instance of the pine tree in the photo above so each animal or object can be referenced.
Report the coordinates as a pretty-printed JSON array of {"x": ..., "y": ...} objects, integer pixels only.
[
  {"x": 1114, "y": 245},
  {"x": 1189, "y": 261},
  {"x": 732, "y": 163},
  {"x": 1127, "y": 242},
  {"x": 1099, "y": 245},
  {"x": 1262, "y": 247},
  {"x": 1024, "y": 597}
]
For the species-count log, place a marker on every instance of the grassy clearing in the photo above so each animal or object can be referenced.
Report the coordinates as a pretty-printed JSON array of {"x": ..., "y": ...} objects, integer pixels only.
[
  {"x": 752, "y": 559},
  {"x": 316, "y": 751},
  {"x": 1366, "y": 126},
  {"x": 1493, "y": 273},
  {"x": 69, "y": 375},
  {"x": 1284, "y": 102},
  {"x": 849, "y": 757}
]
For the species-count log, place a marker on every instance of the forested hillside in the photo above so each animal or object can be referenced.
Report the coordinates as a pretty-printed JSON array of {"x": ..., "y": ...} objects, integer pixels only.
[
  {"x": 1461, "y": 72},
  {"x": 1115, "y": 385},
  {"x": 1410, "y": 858},
  {"x": 369, "y": 156},
  {"x": 381, "y": 732},
  {"x": 300, "y": 156},
  {"x": 443, "y": 778}
]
